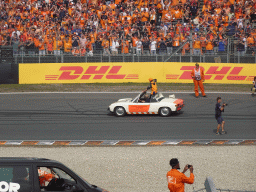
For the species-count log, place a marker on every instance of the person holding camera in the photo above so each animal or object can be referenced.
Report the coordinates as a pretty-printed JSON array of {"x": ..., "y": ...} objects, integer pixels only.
[
  {"x": 175, "y": 179},
  {"x": 254, "y": 86},
  {"x": 218, "y": 110}
]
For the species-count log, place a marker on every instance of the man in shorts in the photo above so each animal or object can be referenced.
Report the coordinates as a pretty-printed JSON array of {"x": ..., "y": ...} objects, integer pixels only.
[{"x": 218, "y": 110}]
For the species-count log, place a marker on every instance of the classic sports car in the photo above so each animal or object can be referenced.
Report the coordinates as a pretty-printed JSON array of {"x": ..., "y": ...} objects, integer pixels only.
[{"x": 155, "y": 105}]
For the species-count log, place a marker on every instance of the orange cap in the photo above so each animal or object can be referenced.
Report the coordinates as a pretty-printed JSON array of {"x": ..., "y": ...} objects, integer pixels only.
[{"x": 150, "y": 79}]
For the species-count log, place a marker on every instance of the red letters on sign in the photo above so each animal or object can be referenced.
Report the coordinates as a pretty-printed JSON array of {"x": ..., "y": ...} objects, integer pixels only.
[
  {"x": 112, "y": 74},
  {"x": 93, "y": 70},
  {"x": 66, "y": 75},
  {"x": 219, "y": 74},
  {"x": 233, "y": 75}
]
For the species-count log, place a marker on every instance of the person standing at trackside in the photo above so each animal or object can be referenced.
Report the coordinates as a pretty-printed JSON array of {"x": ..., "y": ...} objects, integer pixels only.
[
  {"x": 218, "y": 110},
  {"x": 197, "y": 75},
  {"x": 152, "y": 86},
  {"x": 254, "y": 86},
  {"x": 175, "y": 179}
]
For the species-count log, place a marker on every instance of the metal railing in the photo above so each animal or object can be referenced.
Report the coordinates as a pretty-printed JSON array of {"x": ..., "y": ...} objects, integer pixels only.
[{"x": 178, "y": 57}]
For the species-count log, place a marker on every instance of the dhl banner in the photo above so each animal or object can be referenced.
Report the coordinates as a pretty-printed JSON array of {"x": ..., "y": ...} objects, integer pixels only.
[{"x": 133, "y": 72}]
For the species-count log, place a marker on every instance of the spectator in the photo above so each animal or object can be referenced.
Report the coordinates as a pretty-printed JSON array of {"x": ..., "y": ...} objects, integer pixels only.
[
  {"x": 176, "y": 180},
  {"x": 168, "y": 44},
  {"x": 162, "y": 47},
  {"x": 75, "y": 41},
  {"x": 231, "y": 30},
  {"x": 125, "y": 46},
  {"x": 41, "y": 47},
  {"x": 176, "y": 42},
  {"x": 241, "y": 47},
  {"x": 49, "y": 47},
  {"x": 186, "y": 47},
  {"x": 197, "y": 46},
  {"x": 98, "y": 46},
  {"x": 221, "y": 46},
  {"x": 146, "y": 44},
  {"x": 153, "y": 45},
  {"x": 251, "y": 44},
  {"x": 30, "y": 46},
  {"x": 114, "y": 47},
  {"x": 75, "y": 51},
  {"x": 209, "y": 47},
  {"x": 67, "y": 45},
  {"x": 57, "y": 46},
  {"x": 15, "y": 42},
  {"x": 105, "y": 45},
  {"x": 139, "y": 47}
]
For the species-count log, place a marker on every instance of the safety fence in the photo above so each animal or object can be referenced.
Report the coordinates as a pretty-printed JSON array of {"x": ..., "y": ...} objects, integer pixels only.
[{"x": 204, "y": 58}]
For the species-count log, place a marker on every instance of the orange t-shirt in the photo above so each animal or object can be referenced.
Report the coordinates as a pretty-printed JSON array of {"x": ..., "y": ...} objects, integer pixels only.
[
  {"x": 209, "y": 45},
  {"x": 50, "y": 46},
  {"x": 176, "y": 180},
  {"x": 197, "y": 44}
]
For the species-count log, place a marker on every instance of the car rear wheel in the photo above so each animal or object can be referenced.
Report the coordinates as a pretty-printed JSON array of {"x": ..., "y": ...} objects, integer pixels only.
[
  {"x": 165, "y": 111},
  {"x": 119, "y": 111}
]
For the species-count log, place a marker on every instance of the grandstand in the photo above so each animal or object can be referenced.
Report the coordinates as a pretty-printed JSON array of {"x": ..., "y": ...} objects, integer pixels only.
[{"x": 168, "y": 30}]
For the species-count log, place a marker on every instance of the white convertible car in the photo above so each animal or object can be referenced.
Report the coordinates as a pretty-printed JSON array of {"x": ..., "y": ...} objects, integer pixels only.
[{"x": 156, "y": 105}]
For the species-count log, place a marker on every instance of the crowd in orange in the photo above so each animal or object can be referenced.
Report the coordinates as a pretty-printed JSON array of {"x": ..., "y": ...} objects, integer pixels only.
[{"x": 87, "y": 27}]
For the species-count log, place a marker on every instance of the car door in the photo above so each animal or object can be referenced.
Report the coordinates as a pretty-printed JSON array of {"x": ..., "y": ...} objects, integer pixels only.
[
  {"x": 138, "y": 108},
  {"x": 56, "y": 179},
  {"x": 16, "y": 177},
  {"x": 154, "y": 106}
]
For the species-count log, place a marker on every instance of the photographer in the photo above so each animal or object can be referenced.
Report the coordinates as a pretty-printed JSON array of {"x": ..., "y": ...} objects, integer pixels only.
[
  {"x": 254, "y": 86},
  {"x": 176, "y": 179},
  {"x": 218, "y": 110}
]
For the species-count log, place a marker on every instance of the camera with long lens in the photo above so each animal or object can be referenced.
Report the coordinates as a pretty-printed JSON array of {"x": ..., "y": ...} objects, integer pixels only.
[{"x": 225, "y": 104}]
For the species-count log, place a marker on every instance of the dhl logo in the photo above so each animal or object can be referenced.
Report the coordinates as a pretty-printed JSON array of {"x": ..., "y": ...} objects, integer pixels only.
[
  {"x": 78, "y": 72},
  {"x": 214, "y": 71}
]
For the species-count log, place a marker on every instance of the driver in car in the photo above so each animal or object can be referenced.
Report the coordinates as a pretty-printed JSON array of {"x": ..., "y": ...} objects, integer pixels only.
[
  {"x": 145, "y": 99},
  {"x": 45, "y": 176}
]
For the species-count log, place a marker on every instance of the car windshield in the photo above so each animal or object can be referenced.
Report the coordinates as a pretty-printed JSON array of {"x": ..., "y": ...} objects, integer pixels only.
[{"x": 158, "y": 97}]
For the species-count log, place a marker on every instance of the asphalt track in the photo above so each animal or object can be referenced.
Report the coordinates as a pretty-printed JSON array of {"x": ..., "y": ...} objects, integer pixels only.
[{"x": 83, "y": 116}]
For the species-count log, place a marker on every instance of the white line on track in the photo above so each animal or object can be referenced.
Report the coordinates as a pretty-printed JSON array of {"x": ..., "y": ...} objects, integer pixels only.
[{"x": 17, "y": 93}]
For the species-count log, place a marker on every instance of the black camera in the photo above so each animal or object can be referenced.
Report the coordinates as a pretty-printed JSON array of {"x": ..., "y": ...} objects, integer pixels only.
[
  {"x": 225, "y": 104},
  {"x": 189, "y": 166}
]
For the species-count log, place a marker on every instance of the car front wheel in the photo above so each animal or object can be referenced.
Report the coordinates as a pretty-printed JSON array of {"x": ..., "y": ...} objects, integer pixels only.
[
  {"x": 164, "y": 111},
  {"x": 119, "y": 111}
]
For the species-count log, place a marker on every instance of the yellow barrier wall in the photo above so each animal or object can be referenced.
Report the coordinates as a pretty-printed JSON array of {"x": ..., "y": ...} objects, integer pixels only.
[{"x": 133, "y": 72}]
